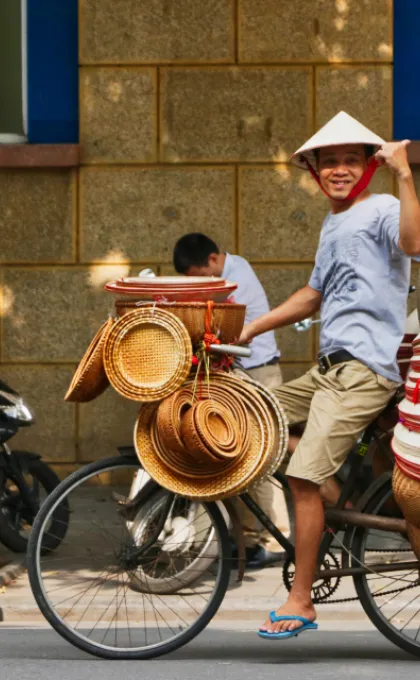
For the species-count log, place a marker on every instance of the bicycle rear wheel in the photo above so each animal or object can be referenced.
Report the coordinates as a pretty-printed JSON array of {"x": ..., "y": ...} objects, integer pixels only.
[
  {"x": 84, "y": 589},
  {"x": 390, "y": 599}
]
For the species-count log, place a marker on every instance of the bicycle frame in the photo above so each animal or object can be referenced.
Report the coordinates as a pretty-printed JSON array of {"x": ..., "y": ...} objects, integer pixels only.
[
  {"x": 341, "y": 517},
  {"x": 337, "y": 516}
]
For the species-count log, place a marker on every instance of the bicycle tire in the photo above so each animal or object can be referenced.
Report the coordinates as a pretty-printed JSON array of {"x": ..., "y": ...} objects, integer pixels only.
[
  {"x": 35, "y": 578},
  {"x": 368, "y": 602}
]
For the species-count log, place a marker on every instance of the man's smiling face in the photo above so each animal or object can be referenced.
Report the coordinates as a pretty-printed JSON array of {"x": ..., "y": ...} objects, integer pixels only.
[{"x": 340, "y": 168}]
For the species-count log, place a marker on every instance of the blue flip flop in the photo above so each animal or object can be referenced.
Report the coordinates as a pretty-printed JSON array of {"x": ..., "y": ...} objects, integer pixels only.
[{"x": 307, "y": 625}]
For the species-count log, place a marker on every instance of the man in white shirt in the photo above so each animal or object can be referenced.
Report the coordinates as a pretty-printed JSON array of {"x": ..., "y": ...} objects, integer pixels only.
[{"x": 197, "y": 255}]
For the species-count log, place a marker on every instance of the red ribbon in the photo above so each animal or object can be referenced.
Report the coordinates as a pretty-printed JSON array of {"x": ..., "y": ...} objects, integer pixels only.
[
  {"x": 357, "y": 189},
  {"x": 209, "y": 337},
  {"x": 416, "y": 392},
  {"x": 412, "y": 393}
]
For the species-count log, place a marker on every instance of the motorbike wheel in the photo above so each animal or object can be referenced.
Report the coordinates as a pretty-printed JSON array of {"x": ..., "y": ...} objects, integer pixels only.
[
  {"x": 16, "y": 519},
  {"x": 187, "y": 545}
]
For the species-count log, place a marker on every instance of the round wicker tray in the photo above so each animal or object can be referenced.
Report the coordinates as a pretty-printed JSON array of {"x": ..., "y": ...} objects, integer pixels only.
[{"x": 147, "y": 355}]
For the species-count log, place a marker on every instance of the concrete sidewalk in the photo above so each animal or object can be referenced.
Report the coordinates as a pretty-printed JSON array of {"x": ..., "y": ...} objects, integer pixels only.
[{"x": 245, "y": 605}]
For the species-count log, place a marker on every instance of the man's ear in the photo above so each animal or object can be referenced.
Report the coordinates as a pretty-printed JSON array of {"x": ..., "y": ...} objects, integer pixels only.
[{"x": 212, "y": 259}]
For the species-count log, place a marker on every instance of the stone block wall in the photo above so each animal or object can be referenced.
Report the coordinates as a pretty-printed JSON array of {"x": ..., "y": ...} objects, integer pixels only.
[{"x": 189, "y": 110}]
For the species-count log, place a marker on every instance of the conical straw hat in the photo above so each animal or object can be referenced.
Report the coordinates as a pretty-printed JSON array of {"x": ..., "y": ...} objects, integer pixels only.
[{"x": 342, "y": 129}]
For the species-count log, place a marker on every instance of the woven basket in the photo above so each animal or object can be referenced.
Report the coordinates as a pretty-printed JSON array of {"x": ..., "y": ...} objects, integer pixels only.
[
  {"x": 196, "y": 446},
  {"x": 407, "y": 495},
  {"x": 217, "y": 426},
  {"x": 168, "y": 419},
  {"x": 247, "y": 393},
  {"x": 90, "y": 379},
  {"x": 181, "y": 465},
  {"x": 210, "y": 433},
  {"x": 188, "y": 478},
  {"x": 147, "y": 355},
  {"x": 227, "y": 319},
  {"x": 179, "y": 461},
  {"x": 282, "y": 428}
]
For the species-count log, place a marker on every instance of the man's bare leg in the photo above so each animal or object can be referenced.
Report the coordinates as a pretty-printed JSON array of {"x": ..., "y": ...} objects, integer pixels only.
[
  {"x": 309, "y": 518},
  {"x": 330, "y": 492},
  {"x": 330, "y": 489},
  {"x": 294, "y": 440}
]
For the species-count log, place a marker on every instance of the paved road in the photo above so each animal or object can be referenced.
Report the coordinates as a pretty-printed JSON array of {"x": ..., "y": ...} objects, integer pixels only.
[{"x": 217, "y": 655}]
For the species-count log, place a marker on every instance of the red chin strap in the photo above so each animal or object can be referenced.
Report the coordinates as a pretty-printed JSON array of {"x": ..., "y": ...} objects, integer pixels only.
[{"x": 357, "y": 189}]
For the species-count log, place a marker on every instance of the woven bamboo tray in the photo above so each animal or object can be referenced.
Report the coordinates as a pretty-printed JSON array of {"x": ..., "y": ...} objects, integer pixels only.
[
  {"x": 168, "y": 419},
  {"x": 210, "y": 433},
  {"x": 218, "y": 428},
  {"x": 258, "y": 457},
  {"x": 178, "y": 459},
  {"x": 90, "y": 379},
  {"x": 147, "y": 355},
  {"x": 282, "y": 428},
  {"x": 180, "y": 464}
]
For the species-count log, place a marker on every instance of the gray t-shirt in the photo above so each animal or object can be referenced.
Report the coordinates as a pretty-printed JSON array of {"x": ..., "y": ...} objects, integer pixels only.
[
  {"x": 364, "y": 277},
  {"x": 251, "y": 293}
]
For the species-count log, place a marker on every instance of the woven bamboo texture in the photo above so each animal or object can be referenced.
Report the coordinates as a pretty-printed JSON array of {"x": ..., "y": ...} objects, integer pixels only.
[
  {"x": 227, "y": 319},
  {"x": 147, "y": 355},
  {"x": 90, "y": 379},
  {"x": 209, "y": 433},
  {"x": 282, "y": 428},
  {"x": 168, "y": 419},
  {"x": 261, "y": 454},
  {"x": 407, "y": 495},
  {"x": 218, "y": 428}
]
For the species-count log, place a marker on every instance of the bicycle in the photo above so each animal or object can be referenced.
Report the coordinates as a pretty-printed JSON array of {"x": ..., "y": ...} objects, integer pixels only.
[{"x": 86, "y": 591}]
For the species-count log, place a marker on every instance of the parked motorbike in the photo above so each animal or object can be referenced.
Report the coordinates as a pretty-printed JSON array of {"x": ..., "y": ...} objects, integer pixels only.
[{"x": 25, "y": 481}]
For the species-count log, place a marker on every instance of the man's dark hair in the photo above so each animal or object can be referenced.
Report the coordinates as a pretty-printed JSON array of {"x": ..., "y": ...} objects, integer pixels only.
[
  {"x": 193, "y": 250},
  {"x": 369, "y": 151}
]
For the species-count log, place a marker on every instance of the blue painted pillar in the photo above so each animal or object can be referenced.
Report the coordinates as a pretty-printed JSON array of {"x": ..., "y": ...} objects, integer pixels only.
[
  {"x": 407, "y": 69},
  {"x": 52, "y": 57}
]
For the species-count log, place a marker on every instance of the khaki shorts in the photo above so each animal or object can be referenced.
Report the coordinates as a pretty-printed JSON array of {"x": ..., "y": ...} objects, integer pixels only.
[
  {"x": 337, "y": 407},
  {"x": 269, "y": 376}
]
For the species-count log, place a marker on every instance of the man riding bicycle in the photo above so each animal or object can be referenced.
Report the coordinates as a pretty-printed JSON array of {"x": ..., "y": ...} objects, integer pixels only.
[{"x": 359, "y": 283}]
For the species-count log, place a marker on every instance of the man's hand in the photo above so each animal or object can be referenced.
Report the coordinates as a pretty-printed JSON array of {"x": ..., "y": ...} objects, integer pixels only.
[
  {"x": 300, "y": 305},
  {"x": 246, "y": 336},
  {"x": 394, "y": 155}
]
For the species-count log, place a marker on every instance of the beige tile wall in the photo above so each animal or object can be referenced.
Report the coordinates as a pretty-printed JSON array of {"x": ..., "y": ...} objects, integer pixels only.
[{"x": 188, "y": 113}]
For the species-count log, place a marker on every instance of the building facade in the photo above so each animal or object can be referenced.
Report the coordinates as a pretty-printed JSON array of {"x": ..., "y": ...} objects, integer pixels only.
[{"x": 188, "y": 112}]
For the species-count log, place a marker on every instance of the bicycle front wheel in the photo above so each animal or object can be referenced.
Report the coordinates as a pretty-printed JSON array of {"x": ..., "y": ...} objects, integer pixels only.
[
  {"x": 85, "y": 589},
  {"x": 391, "y": 599}
]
